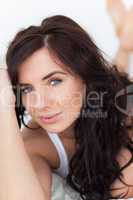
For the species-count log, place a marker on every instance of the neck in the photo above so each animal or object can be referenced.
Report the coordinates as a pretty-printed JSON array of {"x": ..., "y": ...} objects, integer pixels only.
[{"x": 67, "y": 133}]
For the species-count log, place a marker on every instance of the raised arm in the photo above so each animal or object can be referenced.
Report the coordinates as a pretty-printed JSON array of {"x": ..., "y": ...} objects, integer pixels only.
[
  {"x": 122, "y": 59},
  {"x": 18, "y": 177}
]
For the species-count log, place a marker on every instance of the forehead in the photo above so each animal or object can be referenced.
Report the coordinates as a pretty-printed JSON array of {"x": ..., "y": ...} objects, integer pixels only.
[{"x": 38, "y": 64}]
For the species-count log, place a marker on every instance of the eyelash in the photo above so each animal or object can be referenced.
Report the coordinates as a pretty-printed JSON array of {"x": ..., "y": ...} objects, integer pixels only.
[{"x": 26, "y": 88}]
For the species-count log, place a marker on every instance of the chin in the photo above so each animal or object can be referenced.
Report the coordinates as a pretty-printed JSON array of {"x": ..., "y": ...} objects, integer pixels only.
[{"x": 53, "y": 129}]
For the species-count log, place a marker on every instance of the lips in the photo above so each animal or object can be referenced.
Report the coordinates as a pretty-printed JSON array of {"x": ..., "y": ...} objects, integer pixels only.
[{"x": 49, "y": 116}]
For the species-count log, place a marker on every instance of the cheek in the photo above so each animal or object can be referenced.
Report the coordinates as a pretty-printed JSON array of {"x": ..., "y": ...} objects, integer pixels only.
[
  {"x": 70, "y": 94},
  {"x": 31, "y": 101},
  {"x": 76, "y": 99},
  {"x": 71, "y": 100},
  {"x": 75, "y": 103},
  {"x": 28, "y": 101}
]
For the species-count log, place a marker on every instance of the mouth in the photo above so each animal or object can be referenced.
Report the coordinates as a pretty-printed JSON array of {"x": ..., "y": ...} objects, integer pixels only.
[{"x": 50, "y": 118}]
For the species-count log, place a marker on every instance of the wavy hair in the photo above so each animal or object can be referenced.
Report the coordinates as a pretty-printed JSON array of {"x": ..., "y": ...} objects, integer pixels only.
[{"x": 101, "y": 131}]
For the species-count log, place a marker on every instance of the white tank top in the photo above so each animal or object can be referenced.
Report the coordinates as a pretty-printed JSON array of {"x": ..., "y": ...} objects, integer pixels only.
[{"x": 63, "y": 169}]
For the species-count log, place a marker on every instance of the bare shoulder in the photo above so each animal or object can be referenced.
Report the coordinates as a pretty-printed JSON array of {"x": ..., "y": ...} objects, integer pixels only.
[
  {"x": 37, "y": 142},
  {"x": 121, "y": 188}
]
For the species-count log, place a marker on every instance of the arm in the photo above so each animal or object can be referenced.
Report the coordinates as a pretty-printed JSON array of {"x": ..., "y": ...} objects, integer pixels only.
[
  {"x": 16, "y": 171},
  {"x": 122, "y": 59},
  {"x": 18, "y": 179}
]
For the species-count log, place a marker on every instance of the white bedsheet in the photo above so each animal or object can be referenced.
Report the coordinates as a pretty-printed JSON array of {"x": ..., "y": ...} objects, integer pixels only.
[{"x": 61, "y": 191}]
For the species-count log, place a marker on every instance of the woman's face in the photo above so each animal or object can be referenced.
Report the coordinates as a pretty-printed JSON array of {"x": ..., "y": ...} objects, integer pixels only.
[{"x": 49, "y": 89}]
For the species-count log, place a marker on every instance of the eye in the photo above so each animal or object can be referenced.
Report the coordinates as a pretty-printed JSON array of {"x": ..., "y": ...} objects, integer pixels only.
[
  {"x": 55, "y": 82},
  {"x": 26, "y": 90}
]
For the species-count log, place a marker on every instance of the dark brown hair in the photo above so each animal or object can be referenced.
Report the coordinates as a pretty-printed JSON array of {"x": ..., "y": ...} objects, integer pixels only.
[{"x": 94, "y": 166}]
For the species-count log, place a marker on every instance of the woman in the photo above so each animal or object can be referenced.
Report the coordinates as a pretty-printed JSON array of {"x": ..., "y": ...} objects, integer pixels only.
[{"x": 76, "y": 110}]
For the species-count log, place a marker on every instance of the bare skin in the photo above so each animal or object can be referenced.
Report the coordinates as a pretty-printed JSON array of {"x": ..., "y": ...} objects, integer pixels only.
[
  {"x": 18, "y": 179},
  {"x": 117, "y": 11},
  {"x": 125, "y": 50},
  {"x": 122, "y": 20}
]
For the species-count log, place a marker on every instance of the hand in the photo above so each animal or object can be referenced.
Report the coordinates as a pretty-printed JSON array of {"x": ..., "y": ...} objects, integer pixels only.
[
  {"x": 126, "y": 34},
  {"x": 117, "y": 12},
  {"x": 123, "y": 23},
  {"x": 7, "y": 97}
]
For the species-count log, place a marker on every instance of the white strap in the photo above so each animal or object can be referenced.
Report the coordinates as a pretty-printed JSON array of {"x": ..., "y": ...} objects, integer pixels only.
[{"x": 63, "y": 168}]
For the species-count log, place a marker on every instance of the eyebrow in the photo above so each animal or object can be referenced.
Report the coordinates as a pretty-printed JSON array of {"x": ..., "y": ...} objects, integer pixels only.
[{"x": 45, "y": 77}]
